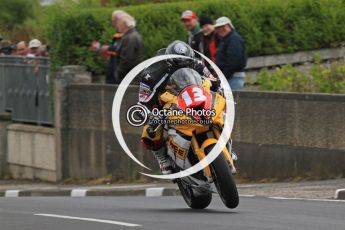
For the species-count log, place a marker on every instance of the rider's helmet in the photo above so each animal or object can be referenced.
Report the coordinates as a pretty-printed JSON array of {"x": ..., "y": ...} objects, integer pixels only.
[{"x": 180, "y": 48}]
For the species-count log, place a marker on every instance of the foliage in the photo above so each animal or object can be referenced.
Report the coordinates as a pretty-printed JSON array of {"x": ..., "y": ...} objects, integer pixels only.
[
  {"x": 13, "y": 16},
  {"x": 320, "y": 78},
  {"x": 138, "y": 2},
  {"x": 268, "y": 26},
  {"x": 15, "y": 12},
  {"x": 71, "y": 46}
]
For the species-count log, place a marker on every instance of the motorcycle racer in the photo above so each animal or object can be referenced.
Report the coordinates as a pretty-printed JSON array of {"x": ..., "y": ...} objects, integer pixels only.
[{"x": 153, "y": 82}]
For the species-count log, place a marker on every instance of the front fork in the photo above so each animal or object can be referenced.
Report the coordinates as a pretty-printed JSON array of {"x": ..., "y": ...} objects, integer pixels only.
[{"x": 200, "y": 151}]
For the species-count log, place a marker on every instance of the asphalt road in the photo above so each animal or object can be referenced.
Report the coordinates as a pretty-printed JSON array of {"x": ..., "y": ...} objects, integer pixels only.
[{"x": 166, "y": 213}]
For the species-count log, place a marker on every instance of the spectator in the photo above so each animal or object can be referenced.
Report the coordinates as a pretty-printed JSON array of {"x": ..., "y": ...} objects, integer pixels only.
[
  {"x": 210, "y": 38},
  {"x": 111, "y": 51},
  {"x": 231, "y": 57},
  {"x": 34, "y": 48},
  {"x": 22, "y": 48},
  {"x": 44, "y": 50},
  {"x": 1, "y": 38},
  {"x": 191, "y": 22},
  {"x": 130, "y": 50},
  {"x": 6, "y": 47}
]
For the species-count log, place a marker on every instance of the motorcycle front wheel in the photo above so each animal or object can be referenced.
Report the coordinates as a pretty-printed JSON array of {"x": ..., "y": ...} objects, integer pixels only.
[{"x": 224, "y": 180}]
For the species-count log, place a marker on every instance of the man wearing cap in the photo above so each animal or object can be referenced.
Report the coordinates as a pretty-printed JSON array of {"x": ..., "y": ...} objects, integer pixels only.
[
  {"x": 231, "y": 57},
  {"x": 34, "y": 48},
  {"x": 191, "y": 22}
]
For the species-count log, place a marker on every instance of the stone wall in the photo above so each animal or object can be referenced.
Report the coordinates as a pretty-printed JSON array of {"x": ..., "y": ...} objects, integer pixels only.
[
  {"x": 284, "y": 135},
  {"x": 93, "y": 150},
  {"x": 276, "y": 135},
  {"x": 5, "y": 120},
  {"x": 31, "y": 152}
]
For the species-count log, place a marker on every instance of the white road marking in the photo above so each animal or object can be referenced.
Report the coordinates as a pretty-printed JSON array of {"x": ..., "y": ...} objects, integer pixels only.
[
  {"x": 78, "y": 192},
  {"x": 12, "y": 193},
  {"x": 338, "y": 191},
  {"x": 306, "y": 199},
  {"x": 282, "y": 198},
  {"x": 247, "y": 195},
  {"x": 114, "y": 187},
  {"x": 90, "y": 219},
  {"x": 154, "y": 191},
  {"x": 246, "y": 186}
]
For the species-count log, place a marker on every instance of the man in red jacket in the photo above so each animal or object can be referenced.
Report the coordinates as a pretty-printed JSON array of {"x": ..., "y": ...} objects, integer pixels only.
[{"x": 210, "y": 38}]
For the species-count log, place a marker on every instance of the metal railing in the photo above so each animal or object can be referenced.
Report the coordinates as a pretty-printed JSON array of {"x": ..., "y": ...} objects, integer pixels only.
[{"x": 24, "y": 89}]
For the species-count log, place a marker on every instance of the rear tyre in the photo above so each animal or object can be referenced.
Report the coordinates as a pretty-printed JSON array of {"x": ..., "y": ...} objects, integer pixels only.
[
  {"x": 192, "y": 198},
  {"x": 223, "y": 180}
]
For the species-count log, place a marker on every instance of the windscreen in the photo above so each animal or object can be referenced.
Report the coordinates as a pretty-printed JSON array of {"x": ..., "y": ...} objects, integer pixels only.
[{"x": 184, "y": 77}]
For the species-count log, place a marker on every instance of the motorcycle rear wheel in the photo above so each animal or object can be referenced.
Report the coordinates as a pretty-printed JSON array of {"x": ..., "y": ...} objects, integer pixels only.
[
  {"x": 193, "y": 200},
  {"x": 224, "y": 180}
]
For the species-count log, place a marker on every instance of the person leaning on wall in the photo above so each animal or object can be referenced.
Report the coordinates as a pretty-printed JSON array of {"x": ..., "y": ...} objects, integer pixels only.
[
  {"x": 191, "y": 23},
  {"x": 6, "y": 47},
  {"x": 111, "y": 50},
  {"x": 22, "y": 49},
  {"x": 211, "y": 40},
  {"x": 130, "y": 51},
  {"x": 34, "y": 48},
  {"x": 231, "y": 57}
]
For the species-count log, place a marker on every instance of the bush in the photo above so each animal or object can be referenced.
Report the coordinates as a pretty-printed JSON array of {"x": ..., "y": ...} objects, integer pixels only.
[
  {"x": 71, "y": 46},
  {"x": 14, "y": 12},
  {"x": 268, "y": 26},
  {"x": 138, "y": 2},
  {"x": 319, "y": 78}
]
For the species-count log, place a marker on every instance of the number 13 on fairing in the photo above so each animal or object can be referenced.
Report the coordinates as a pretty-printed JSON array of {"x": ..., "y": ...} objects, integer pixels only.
[{"x": 197, "y": 96}]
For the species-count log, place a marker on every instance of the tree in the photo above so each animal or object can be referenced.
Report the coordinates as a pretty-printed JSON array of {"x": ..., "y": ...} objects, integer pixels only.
[{"x": 15, "y": 12}]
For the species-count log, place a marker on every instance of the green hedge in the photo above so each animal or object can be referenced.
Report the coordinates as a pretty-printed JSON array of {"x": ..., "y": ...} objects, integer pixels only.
[
  {"x": 268, "y": 26},
  {"x": 141, "y": 2},
  {"x": 319, "y": 78}
]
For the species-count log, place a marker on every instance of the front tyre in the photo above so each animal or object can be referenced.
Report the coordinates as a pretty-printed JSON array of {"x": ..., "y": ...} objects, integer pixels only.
[
  {"x": 223, "y": 180},
  {"x": 194, "y": 200}
]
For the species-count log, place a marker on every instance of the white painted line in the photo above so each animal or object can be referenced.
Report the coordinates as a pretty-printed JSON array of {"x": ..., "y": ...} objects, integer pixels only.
[
  {"x": 282, "y": 198},
  {"x": 12, "y": 193},
  {"x": 78, "y": 192},
  {"x": 326, "y": 200},
  {"x": 154, "y": 191},
  {"x": 246, "y": 186},
  {"x": 89, "y": 219},
  {"x": 337, "y": 192},
  {"x": 303, "y": 199},
  {"x": 114, "y": 187},
  {"x": 247, "y": 195}
]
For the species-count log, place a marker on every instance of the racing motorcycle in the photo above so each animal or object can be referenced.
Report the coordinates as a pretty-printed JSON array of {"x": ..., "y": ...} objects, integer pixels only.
[{"x": 191, "y": 135}]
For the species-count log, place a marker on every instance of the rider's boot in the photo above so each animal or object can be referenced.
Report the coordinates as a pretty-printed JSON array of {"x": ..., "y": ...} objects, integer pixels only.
[{"x": 163, "y": 161}]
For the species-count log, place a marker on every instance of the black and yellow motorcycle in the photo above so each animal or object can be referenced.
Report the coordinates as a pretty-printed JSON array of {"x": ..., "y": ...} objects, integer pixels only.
[{"x": 191, "y": 135}]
